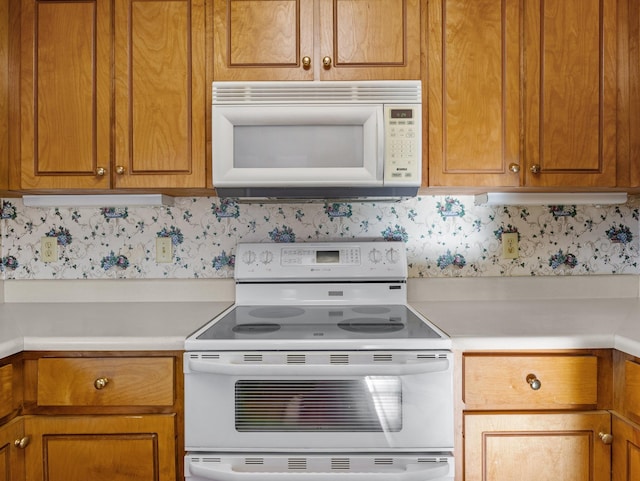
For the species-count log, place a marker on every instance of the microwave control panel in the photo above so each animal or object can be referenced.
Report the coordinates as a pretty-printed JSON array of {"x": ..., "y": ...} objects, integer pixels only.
[{"x": 403, "y": 144}]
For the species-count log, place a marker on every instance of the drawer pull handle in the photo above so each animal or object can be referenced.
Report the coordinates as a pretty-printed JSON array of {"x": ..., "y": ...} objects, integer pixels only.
[
  {"x": 100, "y": 383},
  {"x": 606, "y": 438},
  {"x": 22, "y": 442},
  {"x": 534, "y": 382}
]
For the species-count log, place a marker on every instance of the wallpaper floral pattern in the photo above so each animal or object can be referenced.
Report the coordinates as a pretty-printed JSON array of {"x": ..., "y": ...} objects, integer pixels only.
[{"x": 445, "y": 236}]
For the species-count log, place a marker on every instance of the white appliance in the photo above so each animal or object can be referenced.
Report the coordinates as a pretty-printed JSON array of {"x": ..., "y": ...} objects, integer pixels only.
[
  {"x": 330, "y": 139},
  {"x": 319, "y": 371}
]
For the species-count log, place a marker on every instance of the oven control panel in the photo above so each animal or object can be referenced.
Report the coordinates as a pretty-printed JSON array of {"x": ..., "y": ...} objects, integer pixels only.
[{"x": 325, "y": 260}]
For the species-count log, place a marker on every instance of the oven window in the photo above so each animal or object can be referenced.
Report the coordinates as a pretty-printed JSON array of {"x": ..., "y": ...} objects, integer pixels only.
[{"x": 370, "y": 404}]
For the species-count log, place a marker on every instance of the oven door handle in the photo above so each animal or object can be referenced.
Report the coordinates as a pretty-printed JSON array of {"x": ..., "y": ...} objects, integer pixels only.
[
  {"x": 413, "y": 472},
  {"x": 400, "y": 369}
]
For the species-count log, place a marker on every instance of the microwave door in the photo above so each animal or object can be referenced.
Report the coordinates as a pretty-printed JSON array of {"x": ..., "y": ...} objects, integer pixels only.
[{"x": 297, "y": 145}]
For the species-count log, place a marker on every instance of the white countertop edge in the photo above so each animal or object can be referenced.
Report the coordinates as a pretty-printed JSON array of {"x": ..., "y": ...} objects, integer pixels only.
[
  {"x": 175, "y": 343},
  {"x": 627, "y": 345},
  {"x": 532, "y": 343}
]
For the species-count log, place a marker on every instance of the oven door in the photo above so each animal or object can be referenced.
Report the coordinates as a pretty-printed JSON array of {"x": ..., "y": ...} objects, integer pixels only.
[
  {"x": 320, "y": 401},
  {"x": 335, "y": 467}
]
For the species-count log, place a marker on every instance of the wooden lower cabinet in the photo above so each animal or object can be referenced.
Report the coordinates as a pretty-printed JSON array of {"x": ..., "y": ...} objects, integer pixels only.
[
  {"x": 626, "y": 450},
  {"x": 11, "y": 456},
  {"x": 536, "y": 446},
  {"x": 101, "y": 448}
]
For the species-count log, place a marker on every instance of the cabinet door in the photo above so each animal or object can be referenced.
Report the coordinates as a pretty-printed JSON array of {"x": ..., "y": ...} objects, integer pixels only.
[
  {"x": 160, "y": 93},
  {"x": 369, "y": 39},
  {"x": 65, "y": 93},
  {"x": 626, "y": 451},
  {"x": 101, "y": 448},
  {"x": 474, "y": 92},
  {"x": 633, "y": 90},
  {"x": 570, "y": 92},
  {"x": 263, "y": 39},
  {"x": 534, "y": 447},
  {"x": 4, "y": 95},
  {"x": 11, "y": 456}
]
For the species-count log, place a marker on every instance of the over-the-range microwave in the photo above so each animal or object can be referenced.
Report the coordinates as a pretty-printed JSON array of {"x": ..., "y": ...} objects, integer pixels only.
[{"x": 317, "y": 139}]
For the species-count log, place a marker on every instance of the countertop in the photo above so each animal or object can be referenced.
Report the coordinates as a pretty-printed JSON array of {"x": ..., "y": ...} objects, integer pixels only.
[
  {"x": 95, "y": 326},
  {"x": 478, "y": 314}
]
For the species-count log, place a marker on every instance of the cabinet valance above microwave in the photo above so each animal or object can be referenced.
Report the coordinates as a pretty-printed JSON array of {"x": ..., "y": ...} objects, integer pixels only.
[{"x": 317, "y": 140}]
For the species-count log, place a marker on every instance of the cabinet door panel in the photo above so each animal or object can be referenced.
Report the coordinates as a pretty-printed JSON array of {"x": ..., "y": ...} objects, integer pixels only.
[
  {"x": 160, "y": 93},
  {"x": 473, "y": 88},
  {"x": 263, "y": 40},
  {"x": 370, "y": 39},
  {"x": 11, "y": 457},
  {"x": 533, "y": 447},
  {"x": 6, "y": 390},
  {"x": 626, "y": 451},
  {"x": 570, "y": 92},
  {"x": 633, "y": 90},
  {"x": 64, "y": 94},
  {"x": 101, "y": 448}
]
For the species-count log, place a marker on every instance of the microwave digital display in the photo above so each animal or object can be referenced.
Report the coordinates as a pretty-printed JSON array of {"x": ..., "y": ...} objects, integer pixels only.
[{"x": 401, "y": 113}]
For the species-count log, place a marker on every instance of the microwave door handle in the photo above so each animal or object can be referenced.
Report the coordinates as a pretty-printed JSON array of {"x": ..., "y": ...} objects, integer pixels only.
[
  {"x": 413, "y": 472},
  {"x": 400, "y": 369}
]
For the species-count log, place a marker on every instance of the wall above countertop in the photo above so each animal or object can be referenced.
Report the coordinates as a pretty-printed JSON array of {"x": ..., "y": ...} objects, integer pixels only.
[{"x": 446, "y": 236}]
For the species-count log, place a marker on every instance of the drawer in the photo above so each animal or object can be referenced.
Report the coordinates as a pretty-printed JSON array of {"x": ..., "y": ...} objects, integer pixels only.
[
  {"x": 106, "y": 381},
  {"x": 530, "y": 382},
  {"x": 631, "y": 390},
  {"x": 6, "y": 390}
]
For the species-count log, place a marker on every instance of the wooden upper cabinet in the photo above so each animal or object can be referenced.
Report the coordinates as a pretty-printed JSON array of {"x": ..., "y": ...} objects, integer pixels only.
[
  {"x": 634, "y": 91},
  {"x": 262, "y": 40},
  {"x": 473, "y": 92},
  {"x": 160, "y": 93},
  {"x": 66, "y": 113},
  {"x": 316, "y": 39},
  {"x": 522, "y": 93},
  {"x": 65, "y": 94},
  {"x": 570, "y": 75},
  {"x": 4, "y": 95},
  {"x": 369, "y": 39}
]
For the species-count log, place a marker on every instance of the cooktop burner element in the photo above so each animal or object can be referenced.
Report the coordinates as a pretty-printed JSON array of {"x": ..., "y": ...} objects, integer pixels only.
[
  {"x": 370, "y": 326},
  {"x": 256, "y": 328}
]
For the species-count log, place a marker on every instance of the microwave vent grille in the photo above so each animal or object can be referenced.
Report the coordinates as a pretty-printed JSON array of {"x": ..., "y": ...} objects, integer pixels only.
[{"x": 364, "y": 92}]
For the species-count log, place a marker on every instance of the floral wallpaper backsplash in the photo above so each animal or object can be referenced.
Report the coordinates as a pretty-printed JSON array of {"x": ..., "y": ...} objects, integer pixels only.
[{"x": 445, "y": 236}]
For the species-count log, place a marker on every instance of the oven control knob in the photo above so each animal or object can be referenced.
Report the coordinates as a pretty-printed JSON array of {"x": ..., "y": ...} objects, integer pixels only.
[
  {"x": 375, "y": 256},
  {"x": 249, "y": 257},
  {"x": 393, "y": 256},
  {"x": 266, "y": 257}
]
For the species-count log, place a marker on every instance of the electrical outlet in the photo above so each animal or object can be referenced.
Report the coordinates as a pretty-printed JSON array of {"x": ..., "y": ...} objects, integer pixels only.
[
  {"x": 164, "y": 250},
  {"x": 510, "y": 249},
  {"x": 49, "y": 249}
]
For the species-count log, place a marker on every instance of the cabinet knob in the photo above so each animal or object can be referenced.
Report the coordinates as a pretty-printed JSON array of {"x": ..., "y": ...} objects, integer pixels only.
[
  {"x": 535, "y": 169},
  {"x": 606, "y": 438},
  {"x": 101, "y": 171},
  {"x": 515, "y": 168},
  {"x": 22, "y": 442},
  {"x": 534, "y": 382},
  {"x": 100, "y": 383},
  {"x": 306, "y": 62},
  {"x": 120, "y": 170},
  {"x": 326, "y": 62}
]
